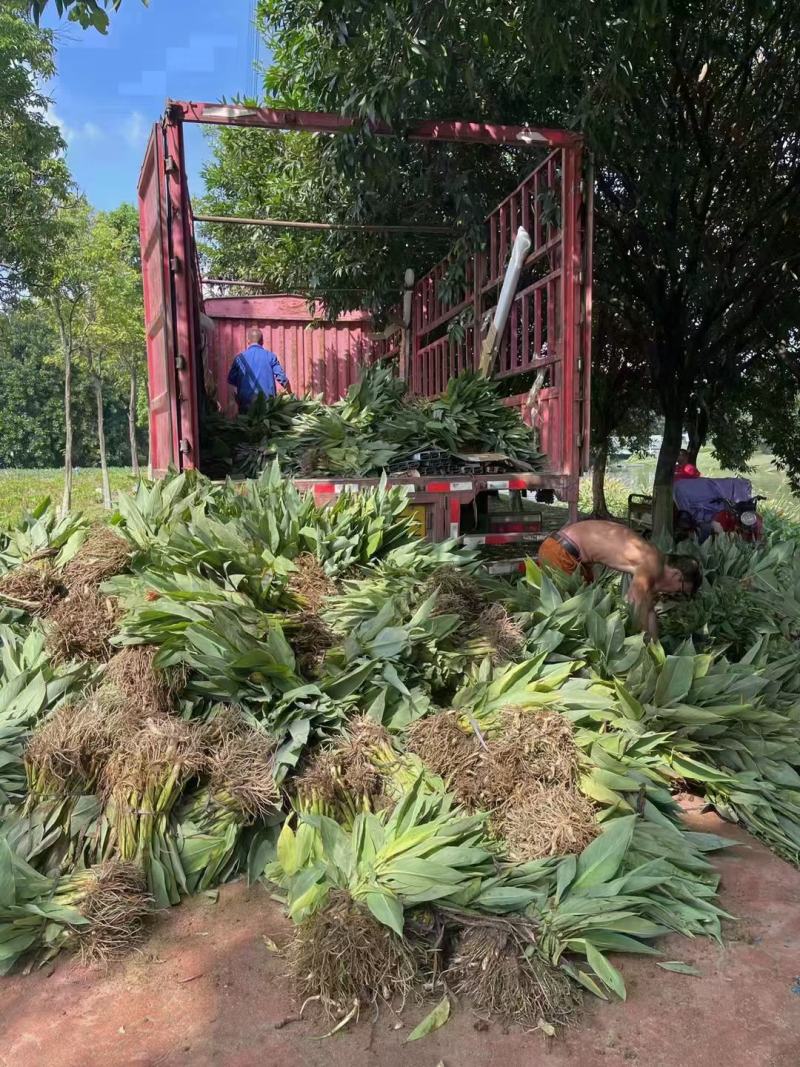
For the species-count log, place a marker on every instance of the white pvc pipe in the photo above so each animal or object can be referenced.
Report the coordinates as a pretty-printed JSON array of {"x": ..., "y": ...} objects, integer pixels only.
[
  {"x": 516, "y": 261},
  {"x": 519, "y": 251}
]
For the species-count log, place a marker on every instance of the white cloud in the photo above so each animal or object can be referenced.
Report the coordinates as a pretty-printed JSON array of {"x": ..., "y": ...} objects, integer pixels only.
[
  {"x": 85, "y": 131},
  {"x": 135, "y": 129}
]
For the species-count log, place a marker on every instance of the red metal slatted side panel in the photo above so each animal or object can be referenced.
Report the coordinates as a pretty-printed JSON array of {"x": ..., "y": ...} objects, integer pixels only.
[
  {"x": 321, "y": 359},
  {"x": 157, "y": 307},
  {"x": 186, "y": 298}
]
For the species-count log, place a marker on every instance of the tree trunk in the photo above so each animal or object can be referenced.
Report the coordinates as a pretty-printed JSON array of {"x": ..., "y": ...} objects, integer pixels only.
[
  {"x": 101, "y": 442},
  {"x": 66, "y": 347},
  {"x": 132, "y": 422},
  {"x": 599, "y": 504},
  {"x": 697, "y": 431},
  {"x": 665, "y": 471}
]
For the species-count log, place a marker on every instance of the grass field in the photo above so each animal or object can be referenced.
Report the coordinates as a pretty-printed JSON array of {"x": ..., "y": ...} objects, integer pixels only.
[
  {"x": 21, "y": 490},
  {"x": 638, "y": 473}
]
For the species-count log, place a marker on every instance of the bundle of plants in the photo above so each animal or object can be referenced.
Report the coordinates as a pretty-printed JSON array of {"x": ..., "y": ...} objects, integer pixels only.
[
  {"x": 495, "y": 967},
  {"x": 377, "y": 423},
  {"x": 347, "y": 960},
  {"x": 42, "y": 534},
  {"x": 99, "y": 912},
  {"x": 239, "y": 790},
  {"x": 133, "y": 679},
  {"x": 31, "y": 688},
  {"x": 309, "y": 584},
  {"x": 68, "y": 753},
  {"x": 350, "y": 775},
  {"x": 496, "y": 634},
  {"x": 61, "y": 833},
  {"x": 458, "y": 592},
  {"x": 142, "y": 782},
  {"x": 471, "y": 417}
]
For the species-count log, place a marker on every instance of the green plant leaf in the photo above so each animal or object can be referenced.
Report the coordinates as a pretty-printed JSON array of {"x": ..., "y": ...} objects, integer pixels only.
[
  {"x": 387, "y": 909},
  {"x": 600, "y": 861},
  {"x": 680, "y": 968},
  {"x": 438, "y": 1017}
]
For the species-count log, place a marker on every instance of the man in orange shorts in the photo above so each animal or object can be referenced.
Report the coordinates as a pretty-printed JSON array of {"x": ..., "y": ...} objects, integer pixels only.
[{"x": 613, "y": 545}]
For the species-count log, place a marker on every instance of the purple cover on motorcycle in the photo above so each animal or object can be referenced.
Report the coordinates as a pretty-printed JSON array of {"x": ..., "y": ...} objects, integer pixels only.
[{"x": 700, "y": 496}]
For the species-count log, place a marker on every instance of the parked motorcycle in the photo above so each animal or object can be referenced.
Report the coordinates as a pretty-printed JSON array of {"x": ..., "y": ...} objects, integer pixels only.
[
  {"x": 740, "y": 518},
  {"x": 698, "y": 513}
]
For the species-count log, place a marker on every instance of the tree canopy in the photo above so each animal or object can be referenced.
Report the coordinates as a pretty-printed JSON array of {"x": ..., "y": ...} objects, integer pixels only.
[
  {"x": 88, "y": 13},
  {"x": 689, "y": 106},
  {"x": 33, "y": 175}
]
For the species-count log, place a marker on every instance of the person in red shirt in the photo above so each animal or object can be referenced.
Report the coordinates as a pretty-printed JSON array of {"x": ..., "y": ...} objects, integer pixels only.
[{"x": 684, "y": 468}]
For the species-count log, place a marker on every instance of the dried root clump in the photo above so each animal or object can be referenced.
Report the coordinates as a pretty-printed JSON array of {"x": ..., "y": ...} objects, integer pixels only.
[
  {"x": 310, "y": 638},
  {"x": 525, "y": 775},
  {"x": 116, "y": 905},
  {"x": 348, "y": 770},
  {"x": 489, "y": 968},
  {"x": 309, "y": 582},
  {"x": 501, "y": 632},
  {"x": 35, "y": 587},
  {"x": 166, "y": 749},
  {"x": 458, "y": 594},
  {"x": 81, "y": 626},
  {"x": 133, "y": 676},
  {"x": 534, "y": 744},
  {"x": 240, "y": 767},
  {"x": 347, "y": 959},
  {"x": 67, "y": 752},
  {"x": 542, "y": 820},
  {"x": 102, "y": 555},
  {"x": 452, "y": 753}
]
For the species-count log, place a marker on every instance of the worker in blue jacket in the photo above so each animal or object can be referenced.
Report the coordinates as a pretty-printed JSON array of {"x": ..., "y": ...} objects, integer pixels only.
[{"x": 255, "y": 371}]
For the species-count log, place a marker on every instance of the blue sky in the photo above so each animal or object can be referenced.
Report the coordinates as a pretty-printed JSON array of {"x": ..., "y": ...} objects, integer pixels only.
[{"x": 110, "y": 90}]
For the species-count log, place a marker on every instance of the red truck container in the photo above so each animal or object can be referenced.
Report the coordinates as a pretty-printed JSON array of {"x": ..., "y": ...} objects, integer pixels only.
[{"x": 191, "y": 341}]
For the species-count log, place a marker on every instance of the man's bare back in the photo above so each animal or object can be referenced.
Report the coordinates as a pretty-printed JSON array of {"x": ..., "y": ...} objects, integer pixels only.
[
  {"x": 615, "y": 546},
  {"x": 618, "y": 547}
]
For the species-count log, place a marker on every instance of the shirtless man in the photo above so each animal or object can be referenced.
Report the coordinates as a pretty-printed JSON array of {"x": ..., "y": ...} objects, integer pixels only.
[{"x": 617, "y": 547}]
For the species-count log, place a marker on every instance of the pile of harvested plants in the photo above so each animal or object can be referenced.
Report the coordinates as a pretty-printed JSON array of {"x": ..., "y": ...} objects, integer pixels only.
[{"x": 459, "y": 785}]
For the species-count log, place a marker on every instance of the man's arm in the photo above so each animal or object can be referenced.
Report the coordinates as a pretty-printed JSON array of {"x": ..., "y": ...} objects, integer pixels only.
[
  {"x": 235, "y": 373},
  {"x": 640, "y": 596},
  {"x": 280, "y": 373}
]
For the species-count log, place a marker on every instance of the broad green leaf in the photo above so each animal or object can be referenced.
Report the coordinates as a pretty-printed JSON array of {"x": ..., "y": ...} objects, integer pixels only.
[
  {"x": 600, "y": 861},
  {"x": 438, "y": 1017},
  {"x": 607, "y": 973},
  {"x": 387, "y": 909},
  {"x": 680, "y": 968}
]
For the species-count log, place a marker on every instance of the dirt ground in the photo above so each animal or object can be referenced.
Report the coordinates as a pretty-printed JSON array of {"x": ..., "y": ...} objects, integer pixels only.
[{"x": 208, "y": 991}]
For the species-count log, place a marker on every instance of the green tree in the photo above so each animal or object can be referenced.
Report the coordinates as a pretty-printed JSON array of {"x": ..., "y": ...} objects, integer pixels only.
[
  {"x": 128, "y": 350},
  {"x": 31, "y": 398},
  {"x": 93, "y": 291},
  {"x": 33, "y": 175},
  {"x": 691, "y": 110},
  {"x": 89, "y": 13}
]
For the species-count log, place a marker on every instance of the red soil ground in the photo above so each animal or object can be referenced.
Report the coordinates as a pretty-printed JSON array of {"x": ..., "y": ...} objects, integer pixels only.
[{"x": 208, "y": 991}]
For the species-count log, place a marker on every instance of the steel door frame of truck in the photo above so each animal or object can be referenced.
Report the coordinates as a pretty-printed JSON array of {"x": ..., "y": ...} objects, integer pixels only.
[{"x": 547, "y": 338}]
